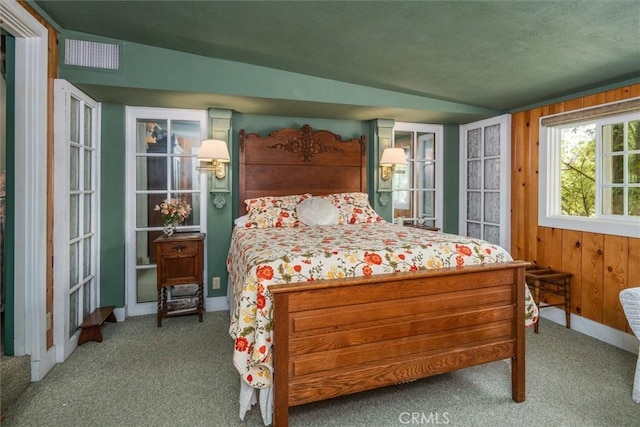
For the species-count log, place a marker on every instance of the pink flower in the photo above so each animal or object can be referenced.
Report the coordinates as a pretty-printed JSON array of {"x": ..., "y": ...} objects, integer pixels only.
[{"x": 173, "y": 210}]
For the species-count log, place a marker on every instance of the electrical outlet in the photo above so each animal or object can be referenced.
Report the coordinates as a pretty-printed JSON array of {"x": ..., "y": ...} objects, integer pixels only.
[{"x": 215, "y": 283}]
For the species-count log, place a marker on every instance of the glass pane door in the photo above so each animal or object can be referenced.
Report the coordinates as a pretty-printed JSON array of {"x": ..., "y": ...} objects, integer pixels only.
[
  {"x": 75, "y": 222},
  {"x": 164, "y": 166},
  {"x": 485, "y": 180},
  {"x": 418, "y": 186}
]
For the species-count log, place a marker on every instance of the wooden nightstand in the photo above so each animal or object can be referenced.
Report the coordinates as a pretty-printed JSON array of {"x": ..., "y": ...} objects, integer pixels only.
[{"x": 180, "y": 261}]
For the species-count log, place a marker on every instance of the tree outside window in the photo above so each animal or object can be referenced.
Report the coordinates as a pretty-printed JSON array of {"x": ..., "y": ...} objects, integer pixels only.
[
  {"x": 619, "y": 156},
  {"x": 578, "y": 171}
]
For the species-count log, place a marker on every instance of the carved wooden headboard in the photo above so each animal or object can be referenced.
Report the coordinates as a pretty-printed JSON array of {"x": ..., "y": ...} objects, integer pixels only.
[{"x": 296, "y": 161}]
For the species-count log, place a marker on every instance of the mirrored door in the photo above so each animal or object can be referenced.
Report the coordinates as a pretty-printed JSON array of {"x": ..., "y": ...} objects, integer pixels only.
[
  {"x": 163, "y": 166},
  {"x": 418, "y": 186}
]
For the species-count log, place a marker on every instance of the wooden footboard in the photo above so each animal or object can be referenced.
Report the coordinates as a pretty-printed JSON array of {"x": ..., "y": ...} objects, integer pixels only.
[{"x": 336, "y": 337}]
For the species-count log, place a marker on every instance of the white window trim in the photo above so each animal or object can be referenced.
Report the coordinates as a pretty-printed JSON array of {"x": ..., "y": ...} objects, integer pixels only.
[
  {"x": 438, "y": 130},
  {"x": 549, "y": 194}
]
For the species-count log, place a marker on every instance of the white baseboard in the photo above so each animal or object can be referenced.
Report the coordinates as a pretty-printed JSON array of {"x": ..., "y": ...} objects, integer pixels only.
[
  {"x": 216, "y": 304},
  {"x": 593, "y": 329},
  {"x": 120, "y": 314}
]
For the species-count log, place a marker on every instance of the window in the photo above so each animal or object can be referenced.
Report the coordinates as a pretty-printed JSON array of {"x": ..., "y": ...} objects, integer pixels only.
[
  {"x": 417, "y": 187},
  {"x": 590, "y": 174}
]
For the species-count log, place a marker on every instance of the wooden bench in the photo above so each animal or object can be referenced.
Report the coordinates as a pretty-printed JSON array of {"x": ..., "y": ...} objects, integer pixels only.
[{"x": 91, "y": 325}]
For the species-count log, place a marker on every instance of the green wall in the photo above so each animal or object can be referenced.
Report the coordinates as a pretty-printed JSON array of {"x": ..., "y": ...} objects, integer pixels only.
[
  {"x": 451, "y": 179},
  {"x": 9, "y": 225},
  {"x": 112, "y": 205}
]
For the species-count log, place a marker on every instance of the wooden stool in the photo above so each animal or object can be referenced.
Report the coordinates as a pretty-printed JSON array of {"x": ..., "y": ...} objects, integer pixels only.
[
  {"x": 91, "y": 325},
  {"x": 548, "y": 281}
]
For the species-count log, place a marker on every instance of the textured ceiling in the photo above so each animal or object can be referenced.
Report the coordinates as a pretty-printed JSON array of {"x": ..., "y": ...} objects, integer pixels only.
[{"x": 501, "y": 55}]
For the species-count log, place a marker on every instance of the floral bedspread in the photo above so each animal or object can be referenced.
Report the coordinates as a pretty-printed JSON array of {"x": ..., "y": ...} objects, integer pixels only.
[{"x": 261, "y": 257}]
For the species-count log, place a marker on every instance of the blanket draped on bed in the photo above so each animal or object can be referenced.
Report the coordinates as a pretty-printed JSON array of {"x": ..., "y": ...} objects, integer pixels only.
[{"x": 262, "y": 257}]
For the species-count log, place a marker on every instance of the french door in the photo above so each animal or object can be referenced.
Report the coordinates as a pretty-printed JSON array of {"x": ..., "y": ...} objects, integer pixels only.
[
  {"x": 418, "y": 187},
  {"x": 75, "y": 216},
  {"x": 162, "y": 146},
  {"x": 485, "y": 180}
]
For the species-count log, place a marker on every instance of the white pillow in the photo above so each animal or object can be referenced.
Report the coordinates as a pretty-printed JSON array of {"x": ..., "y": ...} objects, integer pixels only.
[
  {"x": 241, "y": 221},
  {"x": 317, "y": 211}
]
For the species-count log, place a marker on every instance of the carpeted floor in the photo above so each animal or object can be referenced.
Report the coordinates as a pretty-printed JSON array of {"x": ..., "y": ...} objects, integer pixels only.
[{"x": 181, "y": 375}]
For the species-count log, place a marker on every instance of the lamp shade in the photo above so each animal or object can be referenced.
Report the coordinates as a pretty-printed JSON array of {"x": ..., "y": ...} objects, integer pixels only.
[
  {"x": 213, "y": 150},
  {"x": 393, "y": 156}
]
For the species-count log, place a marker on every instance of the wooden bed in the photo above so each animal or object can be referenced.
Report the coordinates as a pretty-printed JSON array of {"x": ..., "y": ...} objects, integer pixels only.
[{"x": 336, "y": 337}]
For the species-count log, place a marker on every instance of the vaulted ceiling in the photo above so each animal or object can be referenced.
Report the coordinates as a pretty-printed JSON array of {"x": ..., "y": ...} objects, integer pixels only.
[{"x": 501, "y": 55}]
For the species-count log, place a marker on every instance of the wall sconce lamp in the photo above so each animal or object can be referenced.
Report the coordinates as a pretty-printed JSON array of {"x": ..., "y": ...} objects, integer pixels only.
[
  {"x": 212, "y": 156},
  {"x": 391, "y": 157}
]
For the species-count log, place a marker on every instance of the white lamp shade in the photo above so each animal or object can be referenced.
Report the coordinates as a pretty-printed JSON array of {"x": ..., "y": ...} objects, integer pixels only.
[
  {"x": 393, "y": 156},
  {"x": 213, "y": 150}
]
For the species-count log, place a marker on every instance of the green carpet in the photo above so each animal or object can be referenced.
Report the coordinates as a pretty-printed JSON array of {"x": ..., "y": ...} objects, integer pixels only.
[{"x": 181, "y": 375}]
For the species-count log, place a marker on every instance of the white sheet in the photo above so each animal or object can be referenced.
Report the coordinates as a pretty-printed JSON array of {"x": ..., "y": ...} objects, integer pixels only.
[{"x": 249, "y": 396}]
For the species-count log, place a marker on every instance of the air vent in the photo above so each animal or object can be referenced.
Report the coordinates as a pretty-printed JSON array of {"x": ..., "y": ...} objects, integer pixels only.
[{"x": 82, "y": 53}]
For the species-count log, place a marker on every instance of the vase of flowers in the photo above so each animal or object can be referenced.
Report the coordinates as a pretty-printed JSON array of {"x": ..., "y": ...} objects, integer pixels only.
[
  {"x": 174, "y": 212},
  {"x": 169, "y": 229}
]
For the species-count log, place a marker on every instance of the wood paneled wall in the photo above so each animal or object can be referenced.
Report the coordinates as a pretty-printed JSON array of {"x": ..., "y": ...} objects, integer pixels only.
[{"x": 602, "y": 265}]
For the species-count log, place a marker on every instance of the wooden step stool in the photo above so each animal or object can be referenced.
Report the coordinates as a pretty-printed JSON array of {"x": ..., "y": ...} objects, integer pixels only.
[
  {"x": 91, "y": 325},
  {"x": 548, "y": 281}
]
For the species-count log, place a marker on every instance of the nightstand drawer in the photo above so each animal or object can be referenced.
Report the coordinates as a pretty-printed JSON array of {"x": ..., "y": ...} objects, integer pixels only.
[{"x": 178, "y": 248}]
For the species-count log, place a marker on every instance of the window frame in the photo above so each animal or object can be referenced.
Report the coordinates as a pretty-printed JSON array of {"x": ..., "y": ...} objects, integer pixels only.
[{"x": 549, "y": 195}]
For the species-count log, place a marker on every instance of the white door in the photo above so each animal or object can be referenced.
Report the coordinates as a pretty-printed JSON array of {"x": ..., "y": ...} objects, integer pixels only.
[
  {"x": 162, "y": 146},
  {"x": 418, "y": 187},
  {"x": 485, "y": 180},
  {"x": 75, "y": 213}
]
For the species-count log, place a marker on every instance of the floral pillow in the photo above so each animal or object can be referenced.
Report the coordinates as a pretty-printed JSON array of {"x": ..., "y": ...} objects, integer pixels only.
[
  {"x": 273, "y": 211},
  {"x": 272, "y": 217},
  {"x": 275, "y": 201},
  {"x": 353, "y": 208}
]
